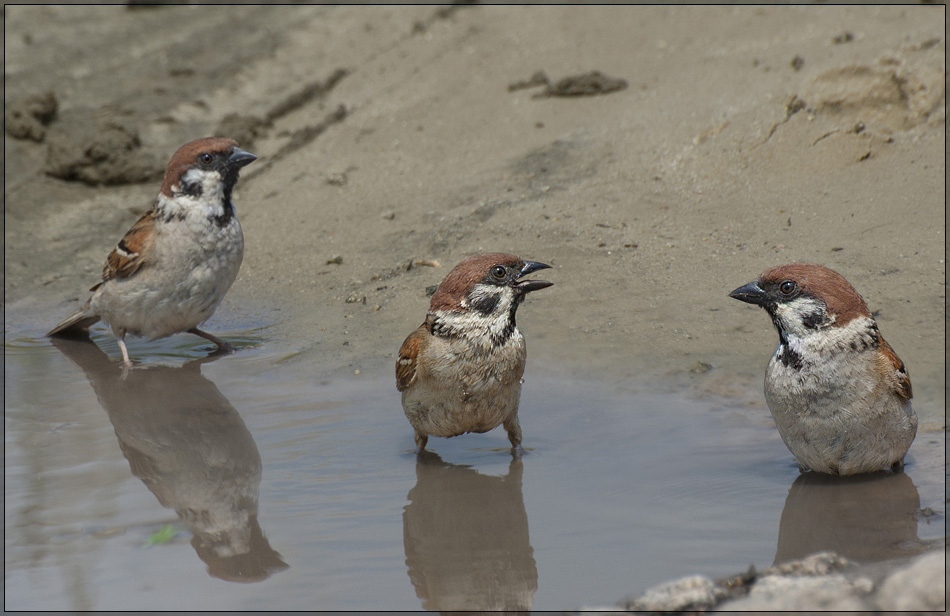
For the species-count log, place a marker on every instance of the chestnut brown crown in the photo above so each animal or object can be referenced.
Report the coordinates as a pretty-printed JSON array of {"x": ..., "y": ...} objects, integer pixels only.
[
  {"x": 784, "y": 283},
  {"x": 214, "y": 153},
  {"x": 494, "y": 268}
]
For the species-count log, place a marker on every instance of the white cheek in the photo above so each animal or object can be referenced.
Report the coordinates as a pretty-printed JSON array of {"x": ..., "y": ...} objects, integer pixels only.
[
  {"x": 478, "y": 327},
  {"x": 791, "y": 315},
  {"x": 212, "y": 190},
  {"x": 485, "y": 291}
]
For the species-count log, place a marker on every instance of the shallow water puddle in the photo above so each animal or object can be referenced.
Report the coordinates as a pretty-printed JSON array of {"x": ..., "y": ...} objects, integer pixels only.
[{"x": 161, "y": 489}]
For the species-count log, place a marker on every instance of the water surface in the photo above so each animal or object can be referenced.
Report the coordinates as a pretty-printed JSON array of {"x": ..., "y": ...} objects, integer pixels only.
[{"x": 235, "y": 483}]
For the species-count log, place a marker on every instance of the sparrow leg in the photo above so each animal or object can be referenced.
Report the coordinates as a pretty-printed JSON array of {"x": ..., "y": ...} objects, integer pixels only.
[
  {"x": 514, "y": 435},
  {"x": 421, "y": 440},
  {"x": 222, "y": 345},
  {"x": 120, "y": 338}
]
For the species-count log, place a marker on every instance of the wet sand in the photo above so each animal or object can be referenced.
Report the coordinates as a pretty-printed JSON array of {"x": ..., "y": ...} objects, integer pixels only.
[{"x": 389, "y": 136}]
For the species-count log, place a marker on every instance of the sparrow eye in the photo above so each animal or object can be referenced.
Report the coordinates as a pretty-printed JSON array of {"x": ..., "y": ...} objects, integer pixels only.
[
  {"x": 788, "y": 287},
  {"x": 498, "y": 272},
  {"x": 206, "y": 158}
]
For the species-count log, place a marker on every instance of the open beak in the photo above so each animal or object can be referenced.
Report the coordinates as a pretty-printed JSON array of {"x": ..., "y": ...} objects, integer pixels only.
[
  {"x": 750, "y": 293},
  {"x": 526, "y": 286},
  {"x": 239, "y": 157}
]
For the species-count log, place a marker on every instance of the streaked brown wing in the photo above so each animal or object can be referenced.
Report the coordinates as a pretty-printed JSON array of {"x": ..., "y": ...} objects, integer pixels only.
[
  {"x": 408, "y": 355},
  {"x": 892, "y": 364},
  {"x": 132, "y": 251}
]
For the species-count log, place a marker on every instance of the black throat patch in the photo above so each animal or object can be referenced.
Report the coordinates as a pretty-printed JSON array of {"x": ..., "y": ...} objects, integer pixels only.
[
  {"x": 788, "y": 357},
  {"x": 227, "y": 212}
]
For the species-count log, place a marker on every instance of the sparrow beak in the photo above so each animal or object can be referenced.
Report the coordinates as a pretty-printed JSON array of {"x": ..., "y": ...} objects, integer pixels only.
[
  {"x": 239, "y": 158},
  {"x": 526, "y": 286},
  {"x": 750, "y": 293}
]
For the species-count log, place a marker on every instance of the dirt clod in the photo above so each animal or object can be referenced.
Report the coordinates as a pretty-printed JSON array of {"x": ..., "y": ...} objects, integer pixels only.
[
  {"x": 538, "y": 79},
  {"x": 95, "y": 147},
  {"x": 245, "y": 129},
  {"x": 586, "y": 84},
  {"x": 28, "y": 117},
  {"x": 844, "y": 37}
]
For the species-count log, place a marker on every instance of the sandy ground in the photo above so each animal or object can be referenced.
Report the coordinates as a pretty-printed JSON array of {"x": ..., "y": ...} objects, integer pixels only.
[
  {"x": 745, "y": 137},
  {"x": 390, "y": 134}
]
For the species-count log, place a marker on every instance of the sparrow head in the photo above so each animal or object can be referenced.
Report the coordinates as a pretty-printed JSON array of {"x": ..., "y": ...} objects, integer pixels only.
[
  {"x": 204, "y": 168},
  {"x": 487, "y": 283},
  {"x": 479, "y": 298},
  {"x": 803, "y": 298}
]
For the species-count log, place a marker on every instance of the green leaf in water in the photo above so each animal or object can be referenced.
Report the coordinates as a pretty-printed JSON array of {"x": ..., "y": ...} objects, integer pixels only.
[{"x": 162, "y": 536}]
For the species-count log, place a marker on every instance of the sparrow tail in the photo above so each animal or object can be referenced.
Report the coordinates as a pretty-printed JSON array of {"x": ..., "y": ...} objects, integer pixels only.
[{"x": 75, "y": 324}]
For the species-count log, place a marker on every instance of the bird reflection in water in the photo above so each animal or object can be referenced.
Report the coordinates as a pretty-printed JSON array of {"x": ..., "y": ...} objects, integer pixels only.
[
  {"x": 466, "y": 538},
  {"x": 191, "y": 449},
  {"x": 865, "y": 518}
]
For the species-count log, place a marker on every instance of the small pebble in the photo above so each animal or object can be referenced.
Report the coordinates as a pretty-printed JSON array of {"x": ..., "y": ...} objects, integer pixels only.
[{"x": 700, "y": 367}]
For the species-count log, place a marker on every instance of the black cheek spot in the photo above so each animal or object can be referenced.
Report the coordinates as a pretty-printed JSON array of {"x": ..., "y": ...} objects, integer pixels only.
[
  {"x": 485, "y": 304},
  {"x": 192, "y": 190},
  {"x": 813, "y": 320}
]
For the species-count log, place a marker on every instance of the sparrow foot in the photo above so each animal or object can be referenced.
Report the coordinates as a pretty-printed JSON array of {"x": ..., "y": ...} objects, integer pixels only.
[
  {"x": 223, "y": 347},
  {"x": 221, "y": 351}
]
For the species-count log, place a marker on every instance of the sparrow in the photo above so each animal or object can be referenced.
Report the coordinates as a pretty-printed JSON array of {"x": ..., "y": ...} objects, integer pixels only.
[
  {"x": 174, "y": 266},
  {"x": 461, "y": 370},
  {"x": 838, "y": 392}
]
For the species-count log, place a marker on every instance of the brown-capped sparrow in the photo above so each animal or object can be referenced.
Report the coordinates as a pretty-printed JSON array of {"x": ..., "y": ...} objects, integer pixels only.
[
  {"x": 838, "y": 392},
  {"x": 461, "y": 370},
  {"x": 174, "y": 266}
]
